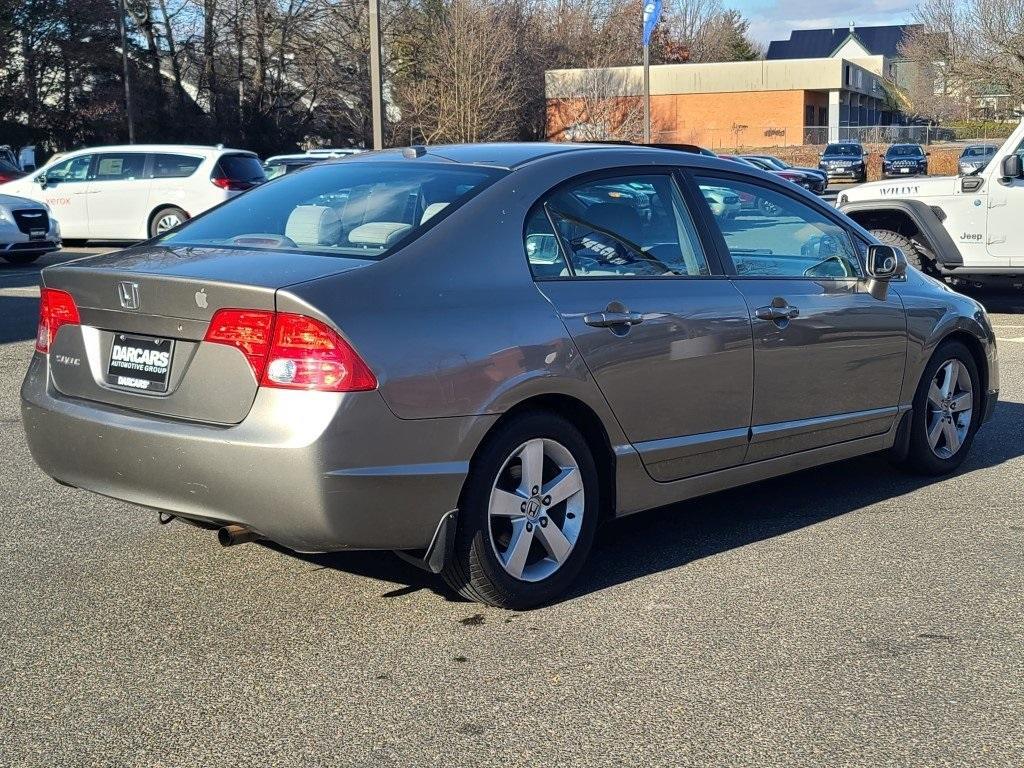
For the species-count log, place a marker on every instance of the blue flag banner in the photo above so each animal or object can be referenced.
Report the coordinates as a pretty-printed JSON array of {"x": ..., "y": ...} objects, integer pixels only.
[{"x": 652, "y": 11}]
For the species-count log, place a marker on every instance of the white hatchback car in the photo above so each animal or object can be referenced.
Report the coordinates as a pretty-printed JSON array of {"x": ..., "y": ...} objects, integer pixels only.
[{"x": 138, "y": 191}]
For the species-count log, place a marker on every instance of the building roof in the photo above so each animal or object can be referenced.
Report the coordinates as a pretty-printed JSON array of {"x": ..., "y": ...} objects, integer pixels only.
[{"x": 822, "y": 43}]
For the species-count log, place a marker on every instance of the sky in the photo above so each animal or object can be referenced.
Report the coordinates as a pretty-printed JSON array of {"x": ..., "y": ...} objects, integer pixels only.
[{"x": 774, "y": 19}]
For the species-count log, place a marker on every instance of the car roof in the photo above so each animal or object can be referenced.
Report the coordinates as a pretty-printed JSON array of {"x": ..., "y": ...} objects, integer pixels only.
[
  {"x": 496, "y": 154},
  {"x": 170, "y": 148}
]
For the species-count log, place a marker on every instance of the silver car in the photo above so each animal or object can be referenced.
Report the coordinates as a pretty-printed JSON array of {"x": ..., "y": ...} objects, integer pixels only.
[{"x": 475, "y": 354}]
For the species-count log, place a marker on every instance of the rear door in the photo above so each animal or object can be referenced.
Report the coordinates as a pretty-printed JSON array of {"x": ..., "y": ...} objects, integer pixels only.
[
  {"x": 665, "y": 334},
  {"x": 828, "y": 356},
  {"x": 119, "y": 196}
]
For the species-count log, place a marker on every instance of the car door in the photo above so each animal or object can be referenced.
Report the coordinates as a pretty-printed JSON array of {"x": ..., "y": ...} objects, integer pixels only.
[
  {"x": 66, "y": 192},
  {"x": 1005, "y": 207},
  {"x": 828, "y": 356},
  {"x": 665, "y": 334},
  {"x": 118, "y": 195}
]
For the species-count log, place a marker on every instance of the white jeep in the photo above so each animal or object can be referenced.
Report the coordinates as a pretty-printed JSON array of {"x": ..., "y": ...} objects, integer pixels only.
[{"x": 955, "y": 227}]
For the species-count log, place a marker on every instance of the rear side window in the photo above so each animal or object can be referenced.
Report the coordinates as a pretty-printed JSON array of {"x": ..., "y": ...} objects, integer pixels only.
[
  {"x": 353, "y": 209},
  {"x": 627, "y": 226},
  {"x": 119, "y": 166},
  {"x": 174, "y": 166},
  {"x": 241, "y": 168}
]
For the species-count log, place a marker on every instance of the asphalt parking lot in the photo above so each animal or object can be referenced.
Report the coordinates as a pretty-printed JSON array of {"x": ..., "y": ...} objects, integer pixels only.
[{"x": 849, "y": 615}]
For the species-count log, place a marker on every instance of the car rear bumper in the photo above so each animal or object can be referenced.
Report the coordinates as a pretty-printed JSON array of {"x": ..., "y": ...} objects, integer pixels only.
[{"x": 312, "y": 471}]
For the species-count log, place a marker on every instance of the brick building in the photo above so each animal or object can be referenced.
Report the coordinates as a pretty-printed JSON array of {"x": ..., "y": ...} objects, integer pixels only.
[{"x": 788, "y": 98}]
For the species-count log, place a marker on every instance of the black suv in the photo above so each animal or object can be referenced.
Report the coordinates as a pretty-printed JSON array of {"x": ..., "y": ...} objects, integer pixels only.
[
  {"x": 844, "y": 160},
  {"x": 904, "y": 160}
]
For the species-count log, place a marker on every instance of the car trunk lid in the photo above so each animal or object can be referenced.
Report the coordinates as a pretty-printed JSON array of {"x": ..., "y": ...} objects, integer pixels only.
[{"x": 144, "y": 314}]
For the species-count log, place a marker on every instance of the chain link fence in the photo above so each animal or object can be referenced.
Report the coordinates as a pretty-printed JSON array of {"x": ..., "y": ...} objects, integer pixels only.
[{"x": 740, "y": 137}]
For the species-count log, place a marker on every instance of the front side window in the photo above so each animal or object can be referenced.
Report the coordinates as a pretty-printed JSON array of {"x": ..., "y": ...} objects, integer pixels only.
[
  {"x": 174, "y": 166},
  {"x": 354, "y": 209},
  {"x": 73, "y": 169},
  {"x": 626, "y": 226},
  {"x": 120, "y": 166},
  {"x": 775, "y": 235}
]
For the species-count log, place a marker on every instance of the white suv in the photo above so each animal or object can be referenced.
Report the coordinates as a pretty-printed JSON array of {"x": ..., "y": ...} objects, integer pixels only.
[{"x": 138, "y": 191}]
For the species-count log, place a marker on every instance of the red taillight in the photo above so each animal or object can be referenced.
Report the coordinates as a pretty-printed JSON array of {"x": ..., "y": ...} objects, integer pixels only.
[
  {"x": 245, "y": 329},
  {"x": 56, "y": 308},
  {"x": 232, "y": 184},
  {"x": 292, "y": 351}
]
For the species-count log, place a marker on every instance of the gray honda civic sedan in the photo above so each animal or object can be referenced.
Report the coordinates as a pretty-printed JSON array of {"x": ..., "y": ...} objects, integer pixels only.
[{"x": 475, "y": 354}]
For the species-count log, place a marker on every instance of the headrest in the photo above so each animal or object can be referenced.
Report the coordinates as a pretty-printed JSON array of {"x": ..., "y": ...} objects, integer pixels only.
[
  {"x": 313, "y": 225},
  {"x": 379, "y": 233},
  {"x": 432, "y": 210}
]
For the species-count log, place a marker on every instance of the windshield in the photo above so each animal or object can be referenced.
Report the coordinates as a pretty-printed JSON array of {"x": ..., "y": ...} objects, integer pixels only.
[
  {"x": 779, "y": 165},
  {"x": 845, "y": 150},
  {"x": 979, "y": 151},
  {"x": 905, "y": 150},
  {"x": 353, "y": 209}
]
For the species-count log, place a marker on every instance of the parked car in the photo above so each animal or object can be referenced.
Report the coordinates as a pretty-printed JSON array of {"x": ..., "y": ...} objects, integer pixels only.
[
  {"x": 904, "y": 160},
  {"x": 474, "y": 354},
  {"x": 27, "y": 230},
  {"x": 955, "y": 228},
  {"x": 781, "y": 165},
  {"x": 724, "y": 204},
  {"x": 815, "y": 181},
  {"x": 138, "y": 191},
  {"x": 282, "y": 164},
  {"x": 975, "y": 157},
  {"x": 9, "y": 171},
  {"x": 844, "y": 160}
]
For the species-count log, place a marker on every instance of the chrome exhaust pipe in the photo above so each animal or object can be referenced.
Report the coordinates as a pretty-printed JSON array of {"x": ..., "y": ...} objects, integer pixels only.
[{"x": 230, "y": 535}]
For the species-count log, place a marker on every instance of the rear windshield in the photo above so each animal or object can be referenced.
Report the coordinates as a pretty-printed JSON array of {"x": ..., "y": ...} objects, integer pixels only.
[
  {"x": 905, "y": 150},
  {"x": 241, "y": 168},
  {"x": 848, "y": 150},
  {"x": 353, "y": 209}
]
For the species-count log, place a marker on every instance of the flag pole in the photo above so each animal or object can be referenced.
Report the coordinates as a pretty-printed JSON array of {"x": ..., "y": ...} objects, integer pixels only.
[{"x": 647, "y": 94}]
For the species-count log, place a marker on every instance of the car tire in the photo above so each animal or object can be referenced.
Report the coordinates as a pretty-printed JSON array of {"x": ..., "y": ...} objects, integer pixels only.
[
  {"x": 495, "y": 514},
  {"x": 166, "y": 219},
  {"x": 914, "y": 256},
  {"x": 20, "y": 258},
  {"x": 940, "y": 434}
]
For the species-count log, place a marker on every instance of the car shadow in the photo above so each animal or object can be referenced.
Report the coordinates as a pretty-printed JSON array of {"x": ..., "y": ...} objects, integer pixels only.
[{"x": 673, "y": 536}]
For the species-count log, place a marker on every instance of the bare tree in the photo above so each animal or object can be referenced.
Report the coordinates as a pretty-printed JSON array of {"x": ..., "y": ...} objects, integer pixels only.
[
  {"x": 467, "y": 88},
  {"x": 966, "y": 49}
]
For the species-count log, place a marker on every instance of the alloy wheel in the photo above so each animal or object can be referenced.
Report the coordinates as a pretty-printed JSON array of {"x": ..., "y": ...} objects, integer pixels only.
[
  {"x": 166, "y": 222},
  {"x": 535, "y": 512},
  {"x": 950, "y": 407}
]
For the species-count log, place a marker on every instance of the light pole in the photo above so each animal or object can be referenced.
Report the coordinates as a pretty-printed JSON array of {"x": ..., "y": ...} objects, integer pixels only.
[
  {"x": 376, "y": 89},
  {"x": 127, "y": 81}
]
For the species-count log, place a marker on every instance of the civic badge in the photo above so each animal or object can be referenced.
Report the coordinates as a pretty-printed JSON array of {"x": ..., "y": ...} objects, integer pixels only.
[{"x": 128, "y": 293}]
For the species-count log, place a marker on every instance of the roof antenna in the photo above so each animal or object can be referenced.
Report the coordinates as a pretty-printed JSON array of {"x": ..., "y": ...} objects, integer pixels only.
[{"x": 853, "y": 27}]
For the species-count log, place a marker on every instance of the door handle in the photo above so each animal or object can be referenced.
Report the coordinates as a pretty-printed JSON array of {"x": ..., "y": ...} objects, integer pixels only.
[
  {"x": 775, "y": 314},
  {"x": 612, "y": 319}
]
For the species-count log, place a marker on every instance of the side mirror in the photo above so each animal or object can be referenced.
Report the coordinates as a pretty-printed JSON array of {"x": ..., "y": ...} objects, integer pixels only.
[
  {"x": 41, "y": 180},
  {"x": 1013, "y": 167},
  {"x": 885, "y": 262},
  {"x": 542, "y": 249}
]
